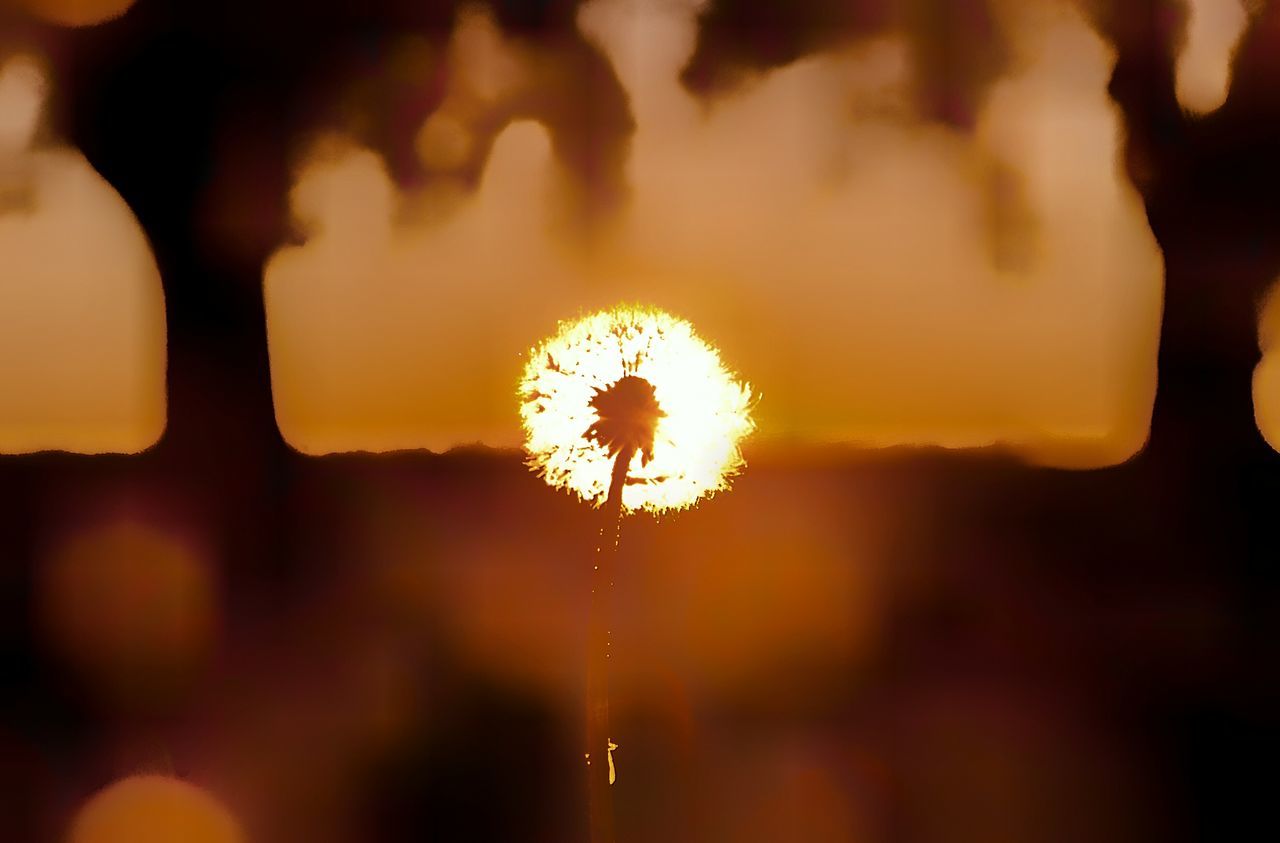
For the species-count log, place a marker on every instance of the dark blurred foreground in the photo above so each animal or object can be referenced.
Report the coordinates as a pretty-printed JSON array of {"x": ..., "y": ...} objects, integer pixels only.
[{"x": 920, "y": 648}]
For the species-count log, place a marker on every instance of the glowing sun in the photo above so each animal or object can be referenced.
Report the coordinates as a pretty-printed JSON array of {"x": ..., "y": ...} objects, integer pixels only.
[{"x": 635, "y": 380}]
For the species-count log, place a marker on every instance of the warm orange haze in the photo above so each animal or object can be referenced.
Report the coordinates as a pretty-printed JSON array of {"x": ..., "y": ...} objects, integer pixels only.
[
  {"x": 639, "y": 421},
  {"x": 885, "y": 279},
  {"x": 82, "y": 325},
  {"x": 810, "y": 217}
]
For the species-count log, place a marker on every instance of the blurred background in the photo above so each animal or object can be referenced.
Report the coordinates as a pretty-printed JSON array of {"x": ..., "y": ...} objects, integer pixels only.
[{"x": 869, "y": 638}]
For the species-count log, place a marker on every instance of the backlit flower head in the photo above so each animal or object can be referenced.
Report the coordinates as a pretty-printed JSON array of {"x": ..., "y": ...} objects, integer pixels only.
[{"x": 635, "y": 378}]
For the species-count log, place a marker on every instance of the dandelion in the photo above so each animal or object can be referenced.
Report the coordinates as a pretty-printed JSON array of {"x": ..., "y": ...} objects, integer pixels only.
[
  {"x": 630, "y": 410},
  {"x": 636, "y": 386}
]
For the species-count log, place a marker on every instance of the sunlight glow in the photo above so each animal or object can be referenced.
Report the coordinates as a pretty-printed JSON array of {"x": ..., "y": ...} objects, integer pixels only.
[
  {"x": 886, "y": 279},
  {"x": 696, "y": 447},
  {"x": 1214, "y": 28},
  {"x": 82, "y": 319}
]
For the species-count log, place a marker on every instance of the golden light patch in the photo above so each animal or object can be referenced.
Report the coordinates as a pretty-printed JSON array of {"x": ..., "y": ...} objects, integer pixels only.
[
  {"x": 1214, "y": 29},
  {"x": 82, "y": 323},
  {"x": 707, "y": 412},
  {"x": 154, "y": 809}
]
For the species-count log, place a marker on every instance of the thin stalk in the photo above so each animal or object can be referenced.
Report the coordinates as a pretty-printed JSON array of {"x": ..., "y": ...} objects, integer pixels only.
[{"x": 599, "y": 764}]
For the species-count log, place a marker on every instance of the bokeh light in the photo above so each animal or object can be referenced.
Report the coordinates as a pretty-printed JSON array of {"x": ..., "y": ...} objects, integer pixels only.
[
  {"x": 132, "y": 607},
  {"x": 154, "y": 809}
]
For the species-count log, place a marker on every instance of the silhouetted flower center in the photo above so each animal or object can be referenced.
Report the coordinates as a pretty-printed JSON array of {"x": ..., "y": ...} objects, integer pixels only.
[{"x": 628, "y": 414}]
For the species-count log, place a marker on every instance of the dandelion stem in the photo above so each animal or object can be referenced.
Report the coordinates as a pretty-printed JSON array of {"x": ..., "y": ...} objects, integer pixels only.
[{"x": 600, "y": 796}]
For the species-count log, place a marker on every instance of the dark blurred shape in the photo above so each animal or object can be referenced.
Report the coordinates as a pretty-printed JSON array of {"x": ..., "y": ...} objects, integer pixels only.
[
  {"x": 979, "y": 763},
  {"x": 957, "y": 47},
  {"x": 741, "y": 37},
  {"x": 959, "y": 51},
  {"x": 534, "y": 17},
  {"x": 628, "y": 414},
  {"x": 1210, "y": 184},
  {"x": 132, "y": 608},
  {"x": 493, "y": 766}
]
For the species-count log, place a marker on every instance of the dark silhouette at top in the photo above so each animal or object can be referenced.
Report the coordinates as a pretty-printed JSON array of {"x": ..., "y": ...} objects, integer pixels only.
[{"x": 956, "y": 46}]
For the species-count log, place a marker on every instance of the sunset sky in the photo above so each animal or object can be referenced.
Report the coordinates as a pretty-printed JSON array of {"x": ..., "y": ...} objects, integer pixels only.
[{"x": 882, "y": 278}]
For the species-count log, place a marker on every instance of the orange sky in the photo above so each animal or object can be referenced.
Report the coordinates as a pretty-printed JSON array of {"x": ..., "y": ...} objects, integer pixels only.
[{"x": 878, "y": 278}]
